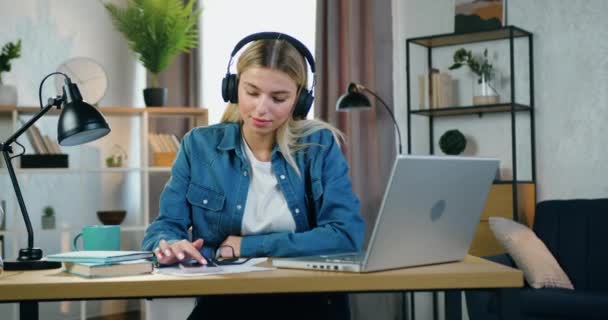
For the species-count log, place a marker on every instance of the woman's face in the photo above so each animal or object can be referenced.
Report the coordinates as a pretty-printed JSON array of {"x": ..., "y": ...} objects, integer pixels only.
[{"x": 266, "y": 99}]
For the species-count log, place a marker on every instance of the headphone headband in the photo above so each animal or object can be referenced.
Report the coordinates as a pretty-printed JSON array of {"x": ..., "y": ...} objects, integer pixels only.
[
  {"x": 230, "y": 81},
  {"x": 275, "y": 36}
]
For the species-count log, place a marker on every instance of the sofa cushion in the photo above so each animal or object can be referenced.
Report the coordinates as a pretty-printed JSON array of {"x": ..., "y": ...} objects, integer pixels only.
[
  {"x": 576, "y": 233},
  {"x": 564, "y": 304},
  {"x": 530, "y": 254}
]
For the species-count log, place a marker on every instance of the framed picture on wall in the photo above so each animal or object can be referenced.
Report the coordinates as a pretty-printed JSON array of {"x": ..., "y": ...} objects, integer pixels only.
[{"x": 479, "y": 15}]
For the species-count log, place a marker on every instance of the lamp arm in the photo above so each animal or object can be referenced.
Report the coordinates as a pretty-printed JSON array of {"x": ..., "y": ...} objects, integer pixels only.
[
  {"x": 6, "y": 149},
  {"x": 29, "y": 123},
  {"x": 26, "y": 218},
  {"x": 389, "y": 112}
]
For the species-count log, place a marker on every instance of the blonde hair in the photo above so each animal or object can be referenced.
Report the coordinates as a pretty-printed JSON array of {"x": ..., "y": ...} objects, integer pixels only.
[{"x": 281, "y": 55}]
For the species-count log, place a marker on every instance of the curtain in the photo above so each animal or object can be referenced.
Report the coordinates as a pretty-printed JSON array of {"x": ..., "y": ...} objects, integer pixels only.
[{"x": 354, "y": 44}]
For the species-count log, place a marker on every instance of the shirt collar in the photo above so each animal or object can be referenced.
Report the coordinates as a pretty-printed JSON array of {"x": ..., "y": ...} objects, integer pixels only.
[{"x": 232, "y": 139}]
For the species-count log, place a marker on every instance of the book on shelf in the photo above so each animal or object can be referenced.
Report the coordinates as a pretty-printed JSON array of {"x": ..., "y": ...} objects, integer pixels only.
[
  {"x": 160, "y": 142},
  {"x": 422, "y": 93},
  {"x": 125, "y": 268},
  {"x": 167, "y": 143},
  {"x": 441, "y": 89},
  {"x": 176, "y": 142},
  {"x": 99, "y": 256},
  {"x": 446, "y": 90},
  {"x": 36, "y": 140},
  {"x": 51, "y": 146},
  {"x": 154, "y": 143}
]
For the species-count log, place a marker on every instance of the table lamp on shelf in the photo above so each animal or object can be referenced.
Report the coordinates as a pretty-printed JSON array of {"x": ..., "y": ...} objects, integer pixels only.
[
  {"x": 354, "y": 99},
  {"x": 79, "y": 123}
]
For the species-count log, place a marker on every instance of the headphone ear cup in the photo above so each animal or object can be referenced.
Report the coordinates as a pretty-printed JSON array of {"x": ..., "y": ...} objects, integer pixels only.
[
  {"x": 303, "y": 105},
  {"x": 230, "y": 88}
]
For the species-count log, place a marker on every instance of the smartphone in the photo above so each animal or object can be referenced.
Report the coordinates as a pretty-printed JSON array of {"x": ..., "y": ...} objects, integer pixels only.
[{"x": 193, "y": 266}]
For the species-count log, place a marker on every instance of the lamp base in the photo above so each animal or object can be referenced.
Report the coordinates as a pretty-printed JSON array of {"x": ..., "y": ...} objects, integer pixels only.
[
  {"x": 29, "y": 259},
  {"x": 31, "y": 265}
]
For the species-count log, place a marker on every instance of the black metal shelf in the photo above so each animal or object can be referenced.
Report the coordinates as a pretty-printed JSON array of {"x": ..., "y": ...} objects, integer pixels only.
[
  {"x": 451, "y": 39},
  {"x": 467, "y": 110},
  {"x": 508, "y": 33}
]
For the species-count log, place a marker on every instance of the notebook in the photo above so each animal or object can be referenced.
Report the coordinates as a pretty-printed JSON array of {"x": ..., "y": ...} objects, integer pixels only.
[
  {"x": 428, "y": 215},
  {"x": 125, "y": 268},
  {"x": 99, "y": 256}
]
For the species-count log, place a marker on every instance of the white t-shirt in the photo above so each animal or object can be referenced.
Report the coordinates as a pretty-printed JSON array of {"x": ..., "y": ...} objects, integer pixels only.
[{"x": 266, "y": 210}]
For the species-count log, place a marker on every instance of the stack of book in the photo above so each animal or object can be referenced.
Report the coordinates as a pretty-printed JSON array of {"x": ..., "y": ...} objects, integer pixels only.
[
  {"x": 160, "y": 142},
  {"x": 42, "y": 144},
  {"x": 105, "y": 263},
  {"x": 164, "y": 147},
  {"x": 441, "y": 90}
]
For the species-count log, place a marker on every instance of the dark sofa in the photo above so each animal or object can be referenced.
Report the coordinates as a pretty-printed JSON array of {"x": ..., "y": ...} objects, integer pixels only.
[{"x": 576, "y": 233}]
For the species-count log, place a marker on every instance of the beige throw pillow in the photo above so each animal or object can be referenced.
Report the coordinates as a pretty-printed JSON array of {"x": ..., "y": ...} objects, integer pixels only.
[{"x": 530, "y": 254}]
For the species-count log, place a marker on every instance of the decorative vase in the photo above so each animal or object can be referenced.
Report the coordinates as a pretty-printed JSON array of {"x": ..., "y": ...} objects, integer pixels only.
[
  {"x": 484, "y": 91},
  {"x": 48, "y": 222},
  {"x": 155, "y": 97},
  {"x": 8, "y": 95}
]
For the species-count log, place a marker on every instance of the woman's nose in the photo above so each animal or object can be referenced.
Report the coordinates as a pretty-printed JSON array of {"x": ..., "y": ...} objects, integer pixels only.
[{"x": 262, "y": 104}]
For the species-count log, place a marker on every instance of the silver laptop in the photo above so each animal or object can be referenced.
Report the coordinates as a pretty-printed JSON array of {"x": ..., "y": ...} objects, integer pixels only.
[{"x": 429, "y": 213}]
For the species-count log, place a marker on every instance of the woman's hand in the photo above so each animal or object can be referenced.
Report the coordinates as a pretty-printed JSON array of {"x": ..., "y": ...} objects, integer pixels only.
[
  {"x": 231, "y": 247},
  {"x": 178, "y": 251}
]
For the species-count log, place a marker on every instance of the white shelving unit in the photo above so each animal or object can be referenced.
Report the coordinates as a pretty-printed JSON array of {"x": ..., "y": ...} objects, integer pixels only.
[{"x": 85, "y": 187}]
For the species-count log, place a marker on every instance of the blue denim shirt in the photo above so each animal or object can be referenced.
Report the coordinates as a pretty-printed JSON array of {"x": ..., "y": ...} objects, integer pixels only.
[{"x": 208, "y": 192}]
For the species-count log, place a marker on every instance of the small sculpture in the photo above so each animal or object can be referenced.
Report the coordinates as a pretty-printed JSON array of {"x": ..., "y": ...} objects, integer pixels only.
[
  {"x": 114, "y": 160},
  {"x": 452, "y": 142}
]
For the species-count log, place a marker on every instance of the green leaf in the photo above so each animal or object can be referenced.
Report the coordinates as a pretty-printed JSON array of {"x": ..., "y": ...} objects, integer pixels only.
[
  {"x": 455, "y": 66},
  {"x": 157, "y": 30},
  {"x": 10, "y": 51}
]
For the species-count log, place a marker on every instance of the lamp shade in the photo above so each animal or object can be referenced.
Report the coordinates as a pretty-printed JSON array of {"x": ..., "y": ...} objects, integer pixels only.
[
  {"x": 353, "y": 100},
  {"x": 80, "y": 123}
]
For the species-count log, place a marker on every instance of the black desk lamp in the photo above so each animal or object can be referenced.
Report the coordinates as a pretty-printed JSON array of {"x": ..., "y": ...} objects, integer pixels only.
[
  {"x": 354, "y": 99},
  {"x": 79, "y": 123}
]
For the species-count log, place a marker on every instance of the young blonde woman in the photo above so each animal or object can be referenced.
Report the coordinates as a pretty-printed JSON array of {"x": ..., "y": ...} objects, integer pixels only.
[{"x": 263, "y": 182}]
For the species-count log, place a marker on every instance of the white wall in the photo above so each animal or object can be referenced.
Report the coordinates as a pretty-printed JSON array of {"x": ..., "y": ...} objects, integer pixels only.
[
  {"x": 571, "y": 95},
  {"x": 53, "y": 31}
]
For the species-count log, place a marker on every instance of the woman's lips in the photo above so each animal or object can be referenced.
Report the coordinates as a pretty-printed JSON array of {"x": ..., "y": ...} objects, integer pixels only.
[{"x": 260, "y": 122}]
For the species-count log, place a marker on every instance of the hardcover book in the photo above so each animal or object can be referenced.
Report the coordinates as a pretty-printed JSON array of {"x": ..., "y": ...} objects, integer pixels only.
[
  {"x": 125, "y": 268},
  {"x": 105, "y": 257}
]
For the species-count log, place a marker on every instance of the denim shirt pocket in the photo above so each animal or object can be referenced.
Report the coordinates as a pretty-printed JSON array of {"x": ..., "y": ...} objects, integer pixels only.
[{"x": 207, "y": 205}]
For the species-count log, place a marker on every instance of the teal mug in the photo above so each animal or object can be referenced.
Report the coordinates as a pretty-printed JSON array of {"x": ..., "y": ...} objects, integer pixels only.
[{"x": 105, "y": 238}]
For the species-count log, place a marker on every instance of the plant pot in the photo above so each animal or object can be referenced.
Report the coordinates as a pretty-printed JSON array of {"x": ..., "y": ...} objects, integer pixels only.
[
  {"x": 484, "y": 92},
  {"x": 155, "y": 97},
  {"x": 8, "y": 95},
  {"x": 48, "y": 222}
]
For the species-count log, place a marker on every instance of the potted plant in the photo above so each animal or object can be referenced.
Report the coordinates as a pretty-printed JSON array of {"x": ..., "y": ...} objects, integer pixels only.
[
  {"x": 157, "y": 31},
  {"x": 484, "y": 91},
  {"x": 10, "y": 51},
  {"x": 48, "y": 218}
]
